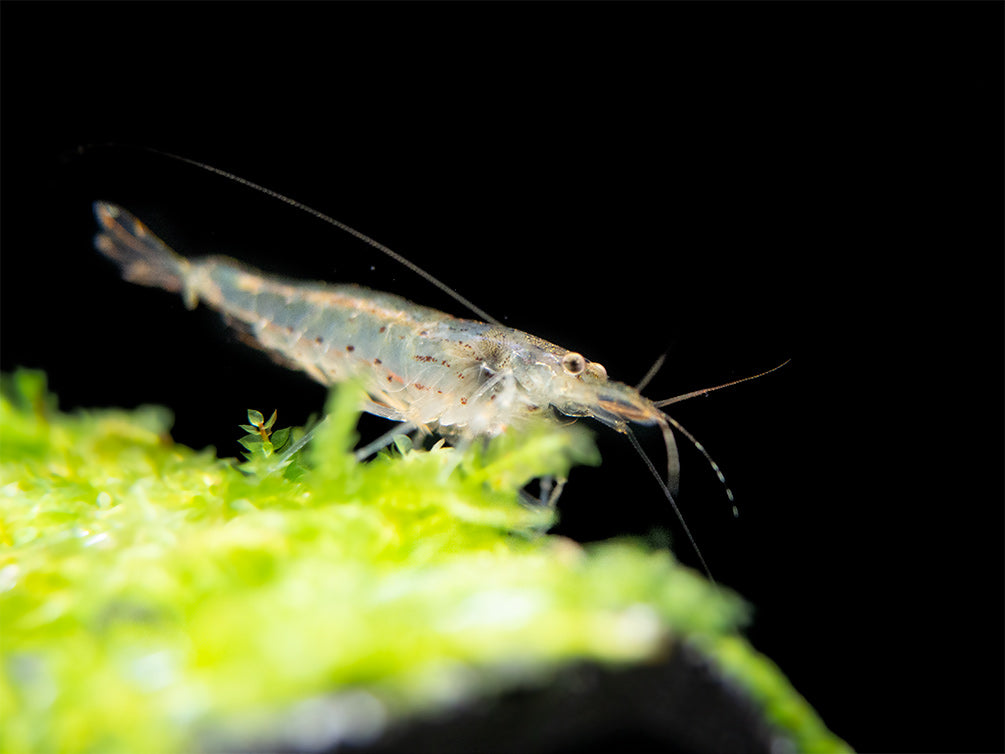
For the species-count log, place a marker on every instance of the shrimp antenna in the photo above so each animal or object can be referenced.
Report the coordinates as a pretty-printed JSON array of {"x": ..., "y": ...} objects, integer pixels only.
[
  {"x": 707, "y": 390},
  {"x": 657, "y": 365},
  {"x": 670, "y": 498},
  {"x": 427, "y": 276},
  {"x": 701, "y": 449},
  {"x": 670, "y": 421}
]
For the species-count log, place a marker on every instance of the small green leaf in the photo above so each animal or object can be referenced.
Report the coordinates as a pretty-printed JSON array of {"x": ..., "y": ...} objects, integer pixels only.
[
  {"x": 251, "y": 441},
  {"x": 255, "y": 417},
  {"x": 280, "y": 437},
  {"x": 272, "y": 419}
]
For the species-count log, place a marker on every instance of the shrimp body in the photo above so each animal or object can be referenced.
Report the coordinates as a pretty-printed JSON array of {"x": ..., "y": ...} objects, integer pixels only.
[{"x": 461, "y": 377}]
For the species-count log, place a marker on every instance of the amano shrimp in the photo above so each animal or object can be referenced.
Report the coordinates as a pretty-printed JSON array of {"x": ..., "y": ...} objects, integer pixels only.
[{"x": 462, "y": 378}]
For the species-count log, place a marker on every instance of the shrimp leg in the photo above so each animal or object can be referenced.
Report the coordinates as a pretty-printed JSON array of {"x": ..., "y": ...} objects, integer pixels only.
[{"x": 384, "y": 440}]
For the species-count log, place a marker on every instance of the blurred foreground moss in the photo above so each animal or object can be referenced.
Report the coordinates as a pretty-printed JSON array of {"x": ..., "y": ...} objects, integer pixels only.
[{"x": 152, "y": 595}]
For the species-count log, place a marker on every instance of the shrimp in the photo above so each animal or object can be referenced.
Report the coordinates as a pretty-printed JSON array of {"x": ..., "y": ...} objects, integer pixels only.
[
  {"x": 420, "y": 366},
  {"x": 462, "y": 378}
]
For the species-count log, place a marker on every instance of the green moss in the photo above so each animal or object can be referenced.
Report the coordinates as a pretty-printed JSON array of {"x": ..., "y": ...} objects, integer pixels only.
[{"x": 149, "y": 592}]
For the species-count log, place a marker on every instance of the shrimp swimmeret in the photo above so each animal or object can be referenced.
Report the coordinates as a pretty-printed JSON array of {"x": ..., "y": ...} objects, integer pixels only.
[{"x": 462, "y": 378}]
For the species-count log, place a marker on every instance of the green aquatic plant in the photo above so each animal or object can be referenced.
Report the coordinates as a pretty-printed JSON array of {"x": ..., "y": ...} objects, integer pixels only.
[{"x": 153, "y": 597}]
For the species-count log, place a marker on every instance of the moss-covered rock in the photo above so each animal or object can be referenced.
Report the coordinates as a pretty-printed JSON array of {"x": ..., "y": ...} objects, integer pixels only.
[{"x": 155, "y": 598}]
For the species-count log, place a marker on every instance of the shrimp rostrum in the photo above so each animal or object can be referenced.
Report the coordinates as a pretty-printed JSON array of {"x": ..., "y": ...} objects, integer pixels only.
[{"x": 462, "y": 378}]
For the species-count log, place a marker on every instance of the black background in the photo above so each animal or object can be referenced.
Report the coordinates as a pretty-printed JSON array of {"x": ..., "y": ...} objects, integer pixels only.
[{"x": 732, "y": 184}]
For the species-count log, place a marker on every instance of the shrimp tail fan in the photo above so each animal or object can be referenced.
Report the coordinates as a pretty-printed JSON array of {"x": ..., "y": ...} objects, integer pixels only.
[{"x": 143, "y": 257}]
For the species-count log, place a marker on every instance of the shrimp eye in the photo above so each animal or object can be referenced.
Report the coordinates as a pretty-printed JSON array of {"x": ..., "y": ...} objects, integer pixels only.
[{"x": 573, "y": 363}]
